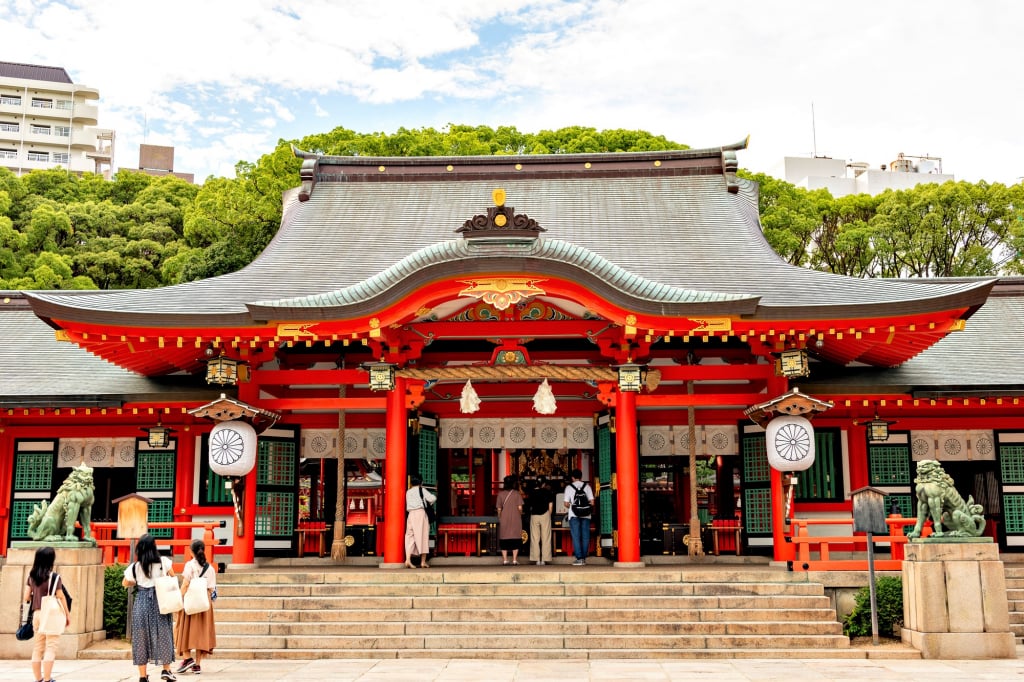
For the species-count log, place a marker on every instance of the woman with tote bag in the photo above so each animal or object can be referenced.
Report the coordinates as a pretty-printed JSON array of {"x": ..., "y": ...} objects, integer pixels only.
[
  {"x": 43, "y": 589},
  {"x": 152, "y": 631},
  {"x": 195, "y": 629}
]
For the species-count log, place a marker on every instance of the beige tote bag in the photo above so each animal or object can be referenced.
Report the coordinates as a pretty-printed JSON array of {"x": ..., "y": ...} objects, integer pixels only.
[
  {"x": 52, "y": 619},
  {"x": 197, "y": 596},
  {"x": 168, "y": 594}
]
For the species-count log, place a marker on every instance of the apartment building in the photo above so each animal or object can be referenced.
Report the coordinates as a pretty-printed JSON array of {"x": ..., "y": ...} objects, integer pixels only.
[
  {"x": 841, "y": 177},
  {"x": 48, "y": 121}
]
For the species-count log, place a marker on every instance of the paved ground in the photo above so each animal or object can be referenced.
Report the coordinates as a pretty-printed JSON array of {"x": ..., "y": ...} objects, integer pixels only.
[{"x": 452, "y": 670}]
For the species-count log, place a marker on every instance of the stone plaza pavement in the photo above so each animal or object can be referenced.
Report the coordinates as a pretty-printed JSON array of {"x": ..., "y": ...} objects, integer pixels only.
[{"x": 465, "y": 670}]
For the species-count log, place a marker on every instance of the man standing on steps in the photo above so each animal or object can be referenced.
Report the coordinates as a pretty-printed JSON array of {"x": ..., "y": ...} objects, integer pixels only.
[{"x": 579, "y": 502}]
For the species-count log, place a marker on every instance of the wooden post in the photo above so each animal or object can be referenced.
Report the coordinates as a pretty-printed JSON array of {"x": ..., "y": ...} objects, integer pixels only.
[
  {"x": 628, "y": 479},
  {"x": 339, "y": 551},
  {"x": 395, "y": 478}
]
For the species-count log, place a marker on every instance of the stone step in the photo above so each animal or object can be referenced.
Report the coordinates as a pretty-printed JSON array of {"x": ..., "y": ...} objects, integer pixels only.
[
  {"x": 526, "y": 602},
  {"x": 509, "y": 628},
  {"x": 546, "y": 612},
  {"x": 501, "y": 589},
  {"x": 352, "y": 644},
  {"x": 97, "y": 652}
]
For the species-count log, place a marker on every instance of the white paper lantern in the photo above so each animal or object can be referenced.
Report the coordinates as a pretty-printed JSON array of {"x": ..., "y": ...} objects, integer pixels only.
[
  {"x": 790, "y": 442},
  {"x": 232, "y": 448}
]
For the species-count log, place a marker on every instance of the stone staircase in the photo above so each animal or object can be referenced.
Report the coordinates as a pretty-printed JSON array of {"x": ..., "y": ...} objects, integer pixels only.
[
  {"x": 551, "y": 612},
  {"x": 1015, "y": 596}
]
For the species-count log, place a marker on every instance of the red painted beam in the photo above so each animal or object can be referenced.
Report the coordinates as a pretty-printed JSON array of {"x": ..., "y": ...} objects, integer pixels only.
[
  {"x": 301, "y": 377},
  {"x": 684, "y": 400},
  {"x": 283, "y": 404}
]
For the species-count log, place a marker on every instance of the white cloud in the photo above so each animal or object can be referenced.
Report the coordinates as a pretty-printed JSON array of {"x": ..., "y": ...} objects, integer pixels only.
[{"x": 918, "y": 77}]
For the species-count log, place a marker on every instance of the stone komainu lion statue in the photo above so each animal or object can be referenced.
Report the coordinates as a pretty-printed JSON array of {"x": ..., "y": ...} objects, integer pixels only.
[
  {"x": 55, "y": 522},
  {"x": 939, "y": 501}
]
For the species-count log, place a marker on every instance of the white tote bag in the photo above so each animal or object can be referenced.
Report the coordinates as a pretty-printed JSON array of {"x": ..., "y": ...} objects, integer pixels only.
[
  {"x": 168, "y": 594},
  {"x": 52, "y": 619},
  {"x": 197, "y": 596}
]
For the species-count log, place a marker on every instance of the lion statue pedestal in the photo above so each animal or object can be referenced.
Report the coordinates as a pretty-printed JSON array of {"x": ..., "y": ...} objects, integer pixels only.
[
  {"x": 82, "y": 571},
  {"x": 954, "y": 586}
]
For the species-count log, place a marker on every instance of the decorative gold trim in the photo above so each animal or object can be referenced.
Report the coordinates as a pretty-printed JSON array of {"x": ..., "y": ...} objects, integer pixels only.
[{"x": 502, "y": 292}]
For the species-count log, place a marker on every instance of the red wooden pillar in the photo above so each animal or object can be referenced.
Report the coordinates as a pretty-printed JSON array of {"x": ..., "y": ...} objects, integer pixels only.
[
  {"x": 243, "y": 548},
  {"x": 394, "y": 478},
  {"x": 627, "y": 475},
  {"x": 857, "y": 441},
  {"x": 783, "y": 550}
]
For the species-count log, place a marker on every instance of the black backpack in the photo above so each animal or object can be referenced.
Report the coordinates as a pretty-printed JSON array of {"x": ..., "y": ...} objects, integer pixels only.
[{"x": 581, "y": 506}]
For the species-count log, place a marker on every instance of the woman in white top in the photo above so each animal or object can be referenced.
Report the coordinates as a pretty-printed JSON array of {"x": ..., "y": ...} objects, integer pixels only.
[
  {"x": 152, "y": 631},
  {"x": 417, "y": 525},
  {"x": 196, "y": 632}
]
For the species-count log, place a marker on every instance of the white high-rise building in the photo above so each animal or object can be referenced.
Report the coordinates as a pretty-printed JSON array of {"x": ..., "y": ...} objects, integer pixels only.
[
  {"x": 47, "y": 121},
  {"x": 842, "y": 177}
]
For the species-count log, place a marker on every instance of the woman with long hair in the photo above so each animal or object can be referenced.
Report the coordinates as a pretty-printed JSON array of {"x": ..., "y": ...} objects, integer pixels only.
[
  {"x": 196, "y": 632},
  {"x": 510, "y": 519},
  {"x": 417, "y": 525},
  {"x": 152, "y": 631},
  {"x": 44, "y": 647}
]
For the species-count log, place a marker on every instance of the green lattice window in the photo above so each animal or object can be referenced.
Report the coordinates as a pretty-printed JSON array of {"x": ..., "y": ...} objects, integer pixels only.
[
  {"x": 216, "y": 492},
  {"x": 428, "y": 456},
  {"x": 34, "y": 471},
  {"x": 274, "y": 514},
  {"x": 154, "y": 470},
  {"x": 823, "y": 480},
  {"x": 904, "y": 502},
  {"x": 604, "y": 453},
  {"x": 20, "y": 510},
  {"x": 161, "y": 511},
  {"x": 1013, "y": 512},
  {"x": 757, "y": 510},
  {"x": 889, "y": 464},
  {"x": 276, "y": 462},
  {"x": 606, "y": 506},
  {"x": 1011, "y": 462},
  {"x": 755, "y": 460}
]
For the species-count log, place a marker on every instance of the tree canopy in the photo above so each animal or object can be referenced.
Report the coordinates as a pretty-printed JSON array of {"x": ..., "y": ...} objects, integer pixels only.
[{"x": 62, "y": 231}]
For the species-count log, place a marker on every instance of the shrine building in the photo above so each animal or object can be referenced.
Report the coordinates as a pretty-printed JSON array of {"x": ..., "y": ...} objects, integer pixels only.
[{"x": 468, "y": 318}]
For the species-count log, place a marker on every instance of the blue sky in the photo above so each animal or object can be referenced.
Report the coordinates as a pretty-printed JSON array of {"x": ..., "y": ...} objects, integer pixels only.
[{"x": 224, "y": 80}]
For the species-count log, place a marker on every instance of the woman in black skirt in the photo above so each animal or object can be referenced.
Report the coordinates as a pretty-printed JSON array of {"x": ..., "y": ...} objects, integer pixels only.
[{"x": 152, "y": 631}]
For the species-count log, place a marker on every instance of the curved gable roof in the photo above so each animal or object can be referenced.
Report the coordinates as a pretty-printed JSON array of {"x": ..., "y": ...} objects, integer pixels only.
[{"x": 685, "y": 227}]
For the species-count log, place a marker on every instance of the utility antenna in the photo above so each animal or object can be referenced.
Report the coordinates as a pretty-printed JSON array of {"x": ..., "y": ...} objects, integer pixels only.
[{"x": 814, "y": 132}]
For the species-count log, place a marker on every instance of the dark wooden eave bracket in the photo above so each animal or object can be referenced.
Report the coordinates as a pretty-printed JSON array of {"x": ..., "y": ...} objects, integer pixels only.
[
  {"x": 225, "y": 408},
  {"x": 793, "y": 403}
]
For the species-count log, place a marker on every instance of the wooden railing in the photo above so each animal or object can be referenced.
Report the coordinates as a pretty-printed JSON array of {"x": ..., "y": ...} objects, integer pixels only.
[
  {"x": 810, "y": 546},
  {"x": 118, "y": 551}
]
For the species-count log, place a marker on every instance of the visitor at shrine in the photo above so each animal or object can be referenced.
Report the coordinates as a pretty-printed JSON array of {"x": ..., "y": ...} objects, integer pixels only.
[
  {"x": 579, "y": 500},
  {"x": 541, "y": 504},
  {"x": 417, "y": 525},
  {"x": 510, "y": 520}
]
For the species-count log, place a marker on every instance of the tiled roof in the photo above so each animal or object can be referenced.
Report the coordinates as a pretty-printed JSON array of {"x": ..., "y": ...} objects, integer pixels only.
[
  {"x": 682, "y": 232},
  {"x": 986, "y": 355},
  {"x": 38, "y": 371},
  {"x": 54, "y": 74}
]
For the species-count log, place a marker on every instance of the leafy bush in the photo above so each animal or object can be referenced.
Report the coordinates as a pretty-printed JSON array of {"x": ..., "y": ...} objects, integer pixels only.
[
  {"x": 115, "y": 601},
  {"x": 889, "y": 597}
]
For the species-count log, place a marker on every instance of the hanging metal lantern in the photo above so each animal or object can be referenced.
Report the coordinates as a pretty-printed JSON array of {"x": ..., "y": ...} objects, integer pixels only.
[
  {"x": 222, "y": 370},
  {"x": 159, "y": 436},
  {"x": 232, "y": 448},
  {"x": 790, "y": 443}
]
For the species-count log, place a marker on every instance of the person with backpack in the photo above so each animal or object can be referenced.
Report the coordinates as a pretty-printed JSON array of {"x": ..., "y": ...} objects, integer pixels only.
[
  {"x": 43, "y": 581},
  {"x": 196, "y": 631},
  {"x": 579, "y": 505}
]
